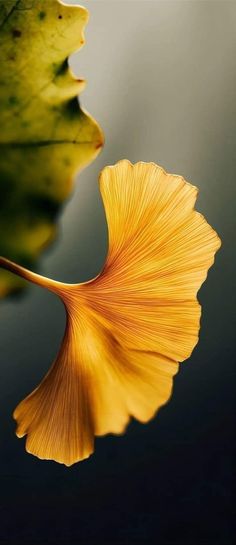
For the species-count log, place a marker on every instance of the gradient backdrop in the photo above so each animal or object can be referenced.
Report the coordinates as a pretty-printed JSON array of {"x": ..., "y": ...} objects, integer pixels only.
[{"x": 161, "y": 82}]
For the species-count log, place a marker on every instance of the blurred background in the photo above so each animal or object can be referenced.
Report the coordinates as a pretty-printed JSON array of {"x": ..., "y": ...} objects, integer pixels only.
[{"x": 161, "y": 83}]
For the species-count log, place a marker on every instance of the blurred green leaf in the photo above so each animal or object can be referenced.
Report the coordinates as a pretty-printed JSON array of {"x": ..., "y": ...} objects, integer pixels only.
[{"x": 45, "y": 136}]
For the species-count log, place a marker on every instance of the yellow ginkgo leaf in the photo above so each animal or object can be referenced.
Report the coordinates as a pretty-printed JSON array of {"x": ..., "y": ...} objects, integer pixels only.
[
  {"x": 45, "y": 136},
  {"x": 129, "y": 327}
]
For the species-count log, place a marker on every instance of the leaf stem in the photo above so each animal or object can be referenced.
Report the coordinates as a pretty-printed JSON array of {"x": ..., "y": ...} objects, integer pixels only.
[{"x": 43, "y": 281}]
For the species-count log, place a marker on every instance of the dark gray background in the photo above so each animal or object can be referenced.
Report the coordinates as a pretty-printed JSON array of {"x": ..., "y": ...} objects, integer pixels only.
[{"x": 161, "y": 82}]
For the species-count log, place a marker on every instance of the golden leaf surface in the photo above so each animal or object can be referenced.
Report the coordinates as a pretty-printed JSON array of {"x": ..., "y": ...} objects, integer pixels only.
[
  {"x": 45, "y": 136},
  {"x": 128, "y": 328}
]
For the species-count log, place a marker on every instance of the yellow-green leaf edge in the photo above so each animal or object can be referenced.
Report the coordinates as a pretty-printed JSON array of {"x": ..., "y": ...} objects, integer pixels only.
[{"x": 45, "y": 136}]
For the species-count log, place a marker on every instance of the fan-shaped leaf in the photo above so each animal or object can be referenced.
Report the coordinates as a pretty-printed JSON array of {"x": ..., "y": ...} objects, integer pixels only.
[{"x": 128, "y": 328}]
